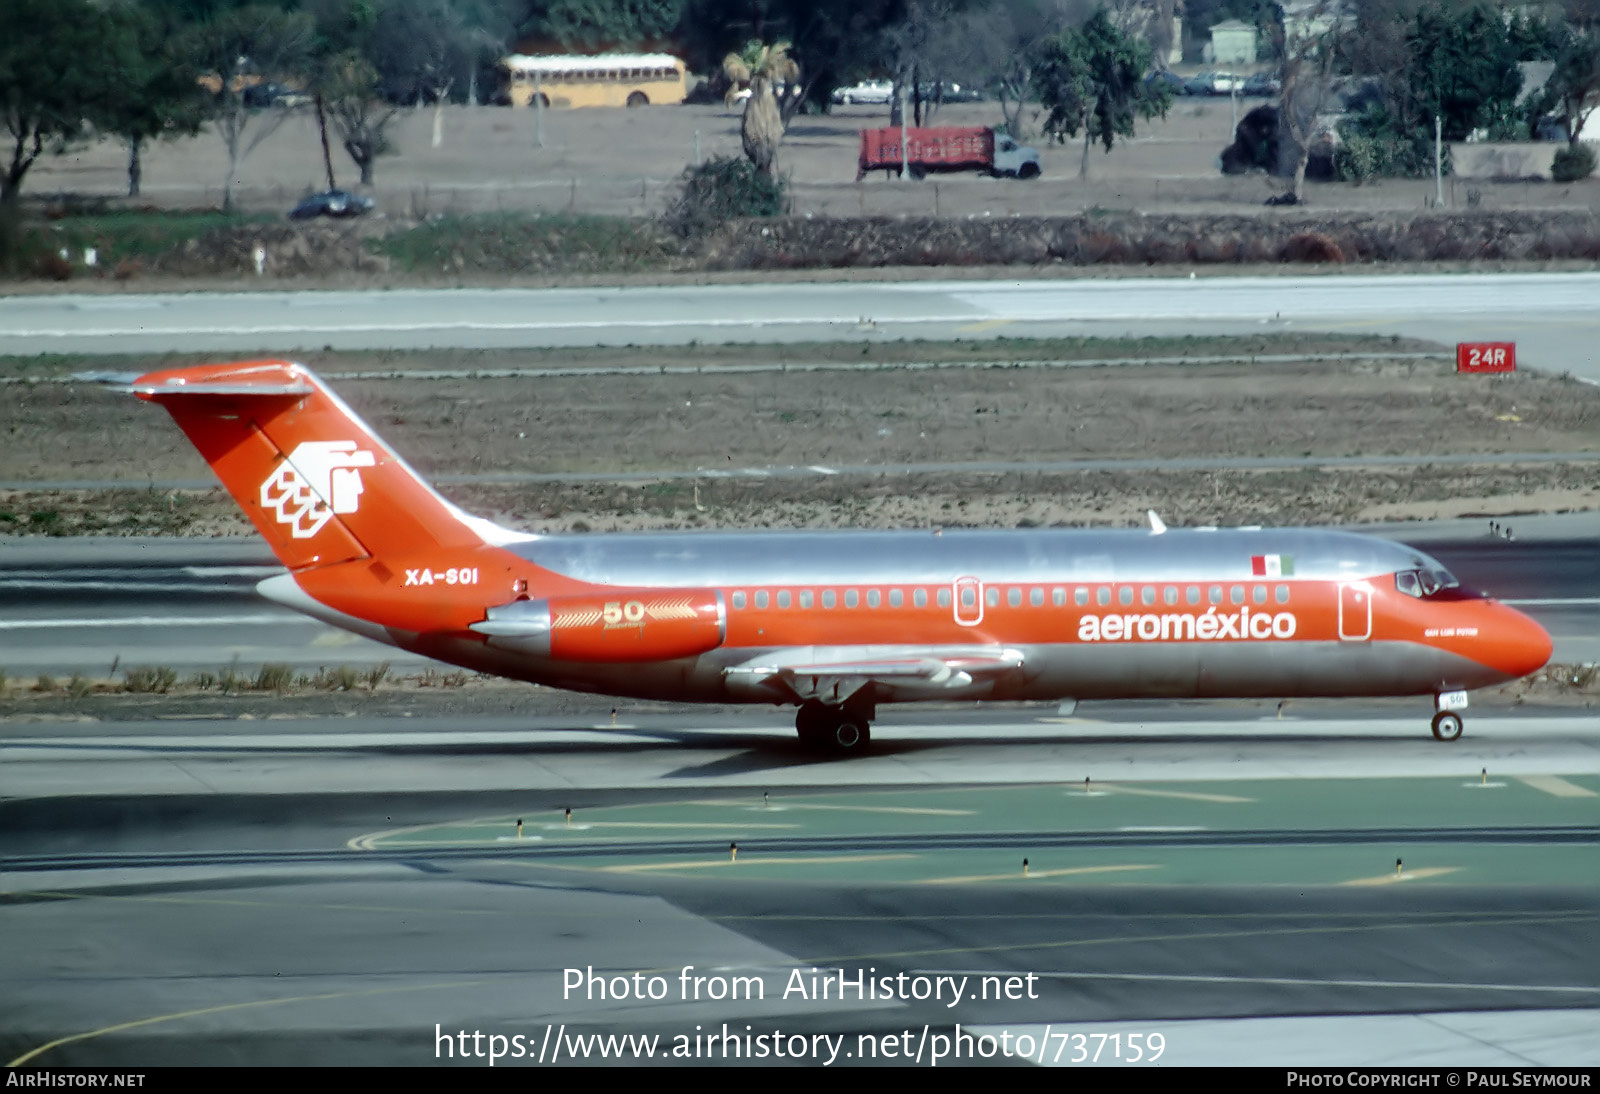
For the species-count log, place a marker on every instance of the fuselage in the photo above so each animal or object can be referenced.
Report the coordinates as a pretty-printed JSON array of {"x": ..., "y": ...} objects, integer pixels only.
[{"x": 1068, "y": 613}]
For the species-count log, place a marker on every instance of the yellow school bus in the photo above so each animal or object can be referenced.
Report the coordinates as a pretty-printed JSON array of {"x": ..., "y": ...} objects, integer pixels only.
[{"x": 613, "y": 79}]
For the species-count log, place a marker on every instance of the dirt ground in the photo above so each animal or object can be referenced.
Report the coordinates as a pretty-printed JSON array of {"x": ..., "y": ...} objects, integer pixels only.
[
  {"x": 505, "y": 429},
  {"x": 627, "y": 162}
]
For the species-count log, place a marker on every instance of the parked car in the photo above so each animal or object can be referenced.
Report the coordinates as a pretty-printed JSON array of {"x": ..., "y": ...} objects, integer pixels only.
[
  {"x": 1262, "y": 83},
  {"x": 867, "y": 91},
  {"x": 332, "y": 203},
  {"x": 1214, "y": 83},
  {"x": 1177, "y": 83},
  {"x": 262, "y": 95}
]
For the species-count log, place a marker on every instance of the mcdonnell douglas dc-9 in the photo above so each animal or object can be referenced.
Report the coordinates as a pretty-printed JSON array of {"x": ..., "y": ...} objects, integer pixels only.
[{"x": 834, "y": 623}]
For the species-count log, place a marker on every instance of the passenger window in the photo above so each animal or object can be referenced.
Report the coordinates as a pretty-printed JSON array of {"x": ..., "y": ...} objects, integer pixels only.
[
  {"x": 872, "y": 598},
  {"x": 1058, "y": 597},
  {"x": 1216, "y": 594},
  {"x": 738, "y": 600},
  {"x": 761, "y": 599},
  {"x": 1259, "y": 594},
  {"x": 1171, "y": 594},
  {"x": 1081, "y": 597},
  {"x": 1014, "y": 597},
  {"x": 805, "y": 599},
  {"x": 1192, "y": 594},
  {"x": 968, "y": 597},
  {"x": 1283, "y": 594},
  {"x": 944, "y": 598},
  {"x": 992, "y": 595},
  {"x": 1125, "y": 594},
  {"x": 1147, "y": 595},
  {"x": 919, "y": 598},
  {"x": 1036, "y": 598},
  {"x": 1102, "y": 596},
  {"x": 896, "y": 598},
  {"x": 783, "y": 599},
  {"x": 851, "y": 598},
  {"x": 1236, "y": 594},
  {"x": 828, "y": 598}
]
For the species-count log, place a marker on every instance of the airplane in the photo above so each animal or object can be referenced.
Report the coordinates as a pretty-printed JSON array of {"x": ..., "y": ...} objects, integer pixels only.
[{"x": 833, "y": 623}]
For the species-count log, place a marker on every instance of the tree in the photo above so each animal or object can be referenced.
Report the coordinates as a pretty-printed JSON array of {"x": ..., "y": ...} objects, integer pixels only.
[
  {"x": 157, "y": 94},
  {"x": 348, "y": 86},
  {"x": 425, "y": 46},
  {"x": 832, "y": 41},
  {"x": 1092, "y": 79},
  {"x": 240, "y": 47},
  {"x": 1573, "y": 89},
  {"x": 1463, "y": 68},
  {"x": 927, "y": 47},
  {"x": 602, "y": 24},
  {"x": 47, "y": 91},
  {"x": 1308, "y": 44},
  {"x": 762, "y": 67}
]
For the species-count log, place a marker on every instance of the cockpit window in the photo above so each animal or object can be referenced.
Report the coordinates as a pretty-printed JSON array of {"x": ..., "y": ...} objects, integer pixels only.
[{"x": 1427, "y": 581}]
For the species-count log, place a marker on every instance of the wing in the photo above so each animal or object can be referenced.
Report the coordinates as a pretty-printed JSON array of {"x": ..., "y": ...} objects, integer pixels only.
[{"x": 834, "y": 673}]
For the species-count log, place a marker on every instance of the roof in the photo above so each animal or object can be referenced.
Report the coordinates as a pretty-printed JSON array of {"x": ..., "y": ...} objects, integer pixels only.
[{"x": 522, "y": 62}]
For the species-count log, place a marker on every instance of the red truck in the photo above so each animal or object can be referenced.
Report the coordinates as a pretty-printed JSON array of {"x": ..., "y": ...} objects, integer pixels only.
[{"x": 947, "y": 148}]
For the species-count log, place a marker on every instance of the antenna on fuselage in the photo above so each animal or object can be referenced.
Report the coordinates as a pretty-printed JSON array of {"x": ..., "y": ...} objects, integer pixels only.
[{"x": 1157, "y": 525}]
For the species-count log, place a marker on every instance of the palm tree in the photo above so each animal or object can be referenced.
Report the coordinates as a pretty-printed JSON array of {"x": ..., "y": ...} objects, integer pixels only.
[{"x": 762, "y": 67}]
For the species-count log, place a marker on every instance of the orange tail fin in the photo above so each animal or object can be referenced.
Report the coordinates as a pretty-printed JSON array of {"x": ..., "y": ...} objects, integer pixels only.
[{"x": 320, "y": 486}]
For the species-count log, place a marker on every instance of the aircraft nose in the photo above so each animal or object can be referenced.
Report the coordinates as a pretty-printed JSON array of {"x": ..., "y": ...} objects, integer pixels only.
[{"x": 1516, "y": 644}]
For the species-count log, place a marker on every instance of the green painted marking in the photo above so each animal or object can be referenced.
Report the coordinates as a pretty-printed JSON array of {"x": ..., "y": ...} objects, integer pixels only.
[{"x": 1209, "y": 806}]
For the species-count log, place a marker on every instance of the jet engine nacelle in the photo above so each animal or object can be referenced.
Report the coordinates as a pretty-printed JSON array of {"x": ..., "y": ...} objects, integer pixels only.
[{"x": 619, "y": 625}]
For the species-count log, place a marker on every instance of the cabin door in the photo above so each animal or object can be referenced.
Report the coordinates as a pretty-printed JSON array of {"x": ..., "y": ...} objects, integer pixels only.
[
  {"x": 969, "y": 601},
  {"x": 1355, "y": 612}
]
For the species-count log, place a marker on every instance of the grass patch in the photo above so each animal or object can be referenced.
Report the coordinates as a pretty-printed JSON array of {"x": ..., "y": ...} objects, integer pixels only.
[
  {"x": 123, "y": 241},
  {"x": 151, "y": 679},
  {"x": 518, "y": 243},
  {"x": 1000, "y": 351}
]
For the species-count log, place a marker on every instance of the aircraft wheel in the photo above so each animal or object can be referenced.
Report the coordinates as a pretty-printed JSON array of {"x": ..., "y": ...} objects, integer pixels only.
[
  {"x": 1447, "y": 725},
  {"x": 831, "y": 729},
  {"x": 848, "y": 734}
]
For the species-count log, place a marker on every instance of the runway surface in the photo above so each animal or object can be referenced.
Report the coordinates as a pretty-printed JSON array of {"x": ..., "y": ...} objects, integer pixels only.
[
  {"x": 351, "y": 890},
  {"x": 1548, "y": 315}
]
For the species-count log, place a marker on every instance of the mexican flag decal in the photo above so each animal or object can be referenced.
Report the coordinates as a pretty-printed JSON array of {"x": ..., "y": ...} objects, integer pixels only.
[{"x": 1272, "y": 565}]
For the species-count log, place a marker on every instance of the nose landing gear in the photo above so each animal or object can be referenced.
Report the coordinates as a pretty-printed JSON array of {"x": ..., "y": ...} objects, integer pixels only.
[
  {"x": 1447, "y": 722},
  {"x": 833, "y": 729}
]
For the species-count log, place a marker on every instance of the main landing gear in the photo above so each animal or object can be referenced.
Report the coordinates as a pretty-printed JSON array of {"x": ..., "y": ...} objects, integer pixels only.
[{"x": 833, "y": 729}]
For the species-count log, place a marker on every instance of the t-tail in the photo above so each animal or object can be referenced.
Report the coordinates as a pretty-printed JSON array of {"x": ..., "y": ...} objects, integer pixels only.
[{"x": 319, "y": 485}]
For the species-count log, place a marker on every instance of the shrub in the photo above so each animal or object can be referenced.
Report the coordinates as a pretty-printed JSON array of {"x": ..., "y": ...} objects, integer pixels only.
[
  {"x": 1311, "y": 247},
  {"x": 1572, "y": 163},
  {"x": 156, "y": 679},
  {"x": 274, "y": 676},
  {"x": 722, "y": 189}
]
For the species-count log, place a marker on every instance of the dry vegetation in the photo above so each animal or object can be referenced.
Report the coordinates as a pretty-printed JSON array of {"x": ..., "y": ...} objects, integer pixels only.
[{"x": 517, "y": 447}]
